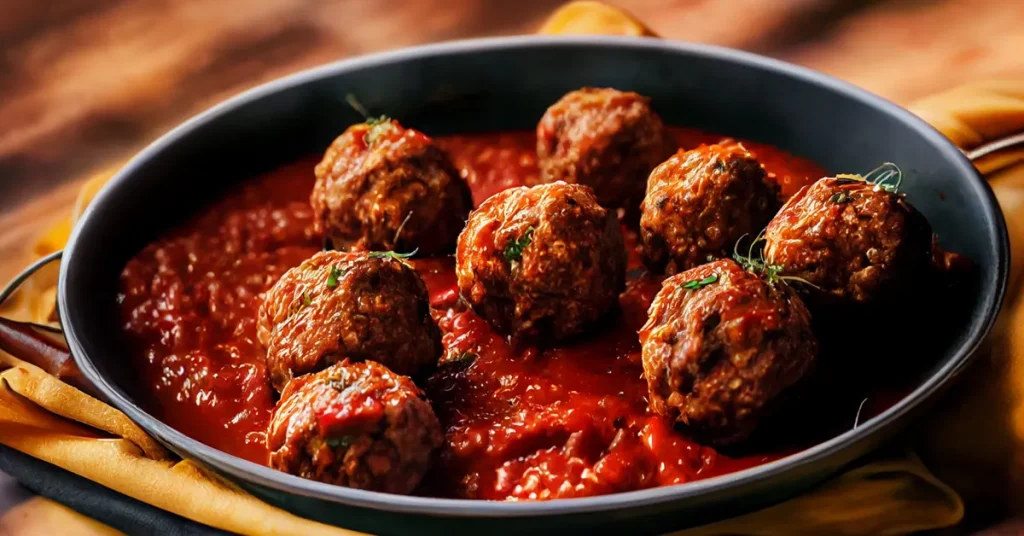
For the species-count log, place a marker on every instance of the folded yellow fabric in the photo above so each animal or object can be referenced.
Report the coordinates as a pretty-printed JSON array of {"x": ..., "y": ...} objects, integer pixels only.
[{"x": 52, "y": 421}]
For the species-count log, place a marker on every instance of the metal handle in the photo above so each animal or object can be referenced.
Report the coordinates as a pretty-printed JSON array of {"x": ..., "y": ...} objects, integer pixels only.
[
  {"x": 1013, "y": 141},
  {"x": 23, "y": 276}
]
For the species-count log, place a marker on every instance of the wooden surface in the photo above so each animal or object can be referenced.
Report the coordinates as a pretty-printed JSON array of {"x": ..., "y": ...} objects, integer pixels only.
[{"x": 85, "y": 84}]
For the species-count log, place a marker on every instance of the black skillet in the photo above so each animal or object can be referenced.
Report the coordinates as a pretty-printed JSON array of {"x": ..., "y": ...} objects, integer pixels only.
[{"x": 505, "y": 84}]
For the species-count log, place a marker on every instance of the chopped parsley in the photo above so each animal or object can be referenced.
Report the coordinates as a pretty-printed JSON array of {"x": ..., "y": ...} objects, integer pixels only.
[
  {"x": 839, "y": 198},
  {"x": 392, "y": 255},
  {"x": 514, "y": 248},
  {"x": 306, "y": 300},
  {"x": 700, "y": 283},
  {"x": 332, "y": 277},
  {"x": 379, "y": 126}
]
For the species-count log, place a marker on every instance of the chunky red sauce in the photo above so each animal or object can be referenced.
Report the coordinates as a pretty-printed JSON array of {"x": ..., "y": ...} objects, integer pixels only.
[{"x": 520, "y": 423}]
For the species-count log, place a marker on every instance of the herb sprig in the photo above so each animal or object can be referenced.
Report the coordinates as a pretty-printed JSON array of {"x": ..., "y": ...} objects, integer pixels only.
[
  {"x": 379, "y": 125},
  {"x": 700, "y": 283},
  {"x": 515, "y": 246},
  {"x": 771, "y": 273},
  {"x": 840, "y": 198},
  {"x": 887, "y": 176},
  {"x": 392, "y": 255},
  {"x": 334, "y": 275}
]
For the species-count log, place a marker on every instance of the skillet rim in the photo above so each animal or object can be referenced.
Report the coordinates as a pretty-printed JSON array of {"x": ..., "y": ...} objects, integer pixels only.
[{"x": 254, "y": 473}]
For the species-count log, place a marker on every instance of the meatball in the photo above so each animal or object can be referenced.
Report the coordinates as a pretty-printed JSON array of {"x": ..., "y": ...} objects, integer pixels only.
[
  {"x": 607, "y": 139},
  {"x": 357, "y": 425},
  {"x": 851, "y": 239},
  {"x": 381, "y": 186},
  {"x": 357, "y": 306},
  {"x": 544, "y": 260},
  {"x": 699, "y": 203},
  {"x": 720, "y": 345}
]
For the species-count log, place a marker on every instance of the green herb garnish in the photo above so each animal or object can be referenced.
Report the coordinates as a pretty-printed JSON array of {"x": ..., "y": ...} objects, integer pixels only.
[
  {"x": 306, "y": 300},
  {"x": 839, "y": 198},
  {"x": 391, "y": 255},
  {"x": 342, "y": 442},
  {"x": 887, "y": 176},
  {"x": 337, "y": 384},
  {"x": 514, "y": 248},
  {"x": 332, "y": 277},
  {"x": 378, "y": 125},
  {"x": 771, "y": 273},
  {"x": 700, "y": 283}
]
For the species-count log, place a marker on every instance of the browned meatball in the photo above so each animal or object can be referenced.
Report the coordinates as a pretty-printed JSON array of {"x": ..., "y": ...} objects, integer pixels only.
[
  {"x": 543, "y": 260},
  {"x": 357, "y": 306},
  {"x": 607, "y": 139},
  {"x": 385, "y": 187},
  {"x": 719, "y": 345},
  {"x": 357, "y": 425},
  {"x": 700, "y": 202},
  {"x": 852, "y": 239}
]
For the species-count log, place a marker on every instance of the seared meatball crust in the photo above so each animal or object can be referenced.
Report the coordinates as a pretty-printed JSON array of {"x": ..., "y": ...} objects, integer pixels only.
[
  {"x": 384, "y": 187},
  {"x": 855, "y": 241},
  {"x": 699, "y": 203},
  {"x": 545, "y": 260},
  {"x": 354, "y": 306},
  {"x": 607, "y": 139},
  {"x": 721, "y": 344},
  {"x": 357, "y": 425}
]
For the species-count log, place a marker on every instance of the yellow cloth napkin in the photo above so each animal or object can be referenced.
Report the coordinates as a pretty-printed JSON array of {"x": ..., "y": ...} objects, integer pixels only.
[{"x": 43, "y": 417}]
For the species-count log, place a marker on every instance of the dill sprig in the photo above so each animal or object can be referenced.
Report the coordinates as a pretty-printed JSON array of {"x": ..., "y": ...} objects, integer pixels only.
[
  {"x": 392, "y": 255},
  {"x": 887, "y": 176},
  {"x": 379, "y": 125},
  {"x": 754, "y": 262}
]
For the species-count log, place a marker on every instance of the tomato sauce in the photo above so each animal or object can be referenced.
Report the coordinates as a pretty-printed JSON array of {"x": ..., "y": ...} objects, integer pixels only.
[{"x": 521, "y": 423}]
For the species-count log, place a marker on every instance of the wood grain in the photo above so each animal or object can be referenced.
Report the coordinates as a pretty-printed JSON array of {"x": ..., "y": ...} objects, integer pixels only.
[{"x": 87, "y": 83}]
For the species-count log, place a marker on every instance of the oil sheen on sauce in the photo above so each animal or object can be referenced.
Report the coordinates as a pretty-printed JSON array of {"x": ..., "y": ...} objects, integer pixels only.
[{"x": 521, "y": 423}]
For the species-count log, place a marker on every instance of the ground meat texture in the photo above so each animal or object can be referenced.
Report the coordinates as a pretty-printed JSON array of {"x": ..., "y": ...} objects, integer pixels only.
[
  {"x": 338, "y": 305},
  {"x": 720, "y": 345},
  {"x": 699, "y": 203},
  {"x": 607, "y": 139},
  {"x": 854, "y": 241},
  {"x": 357, "y": 425},
  {"x": 545, "y": 260},
  {"x": 384, "y": 187}
]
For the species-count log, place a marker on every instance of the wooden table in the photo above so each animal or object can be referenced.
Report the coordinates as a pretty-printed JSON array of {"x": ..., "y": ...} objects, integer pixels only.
[{"x": 84, "y": 84}]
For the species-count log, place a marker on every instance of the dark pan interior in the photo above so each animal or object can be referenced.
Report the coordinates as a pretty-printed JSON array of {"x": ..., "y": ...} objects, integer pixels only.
[{"x": 506, "y": 84}]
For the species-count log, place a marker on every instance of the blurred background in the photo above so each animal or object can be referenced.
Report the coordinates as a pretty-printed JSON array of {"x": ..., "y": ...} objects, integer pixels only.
[{"x": 86, "y": 83}]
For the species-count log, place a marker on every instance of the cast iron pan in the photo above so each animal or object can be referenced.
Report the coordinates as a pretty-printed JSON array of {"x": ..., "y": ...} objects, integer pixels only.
[{"x": 507, "y": 83}]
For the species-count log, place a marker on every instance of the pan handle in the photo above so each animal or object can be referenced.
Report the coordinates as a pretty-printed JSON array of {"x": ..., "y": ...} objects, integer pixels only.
[
  {"x": 23, "y": 276},
  {"x": 40, "y": 344},
  {"x": 1006, "y": 143}
]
